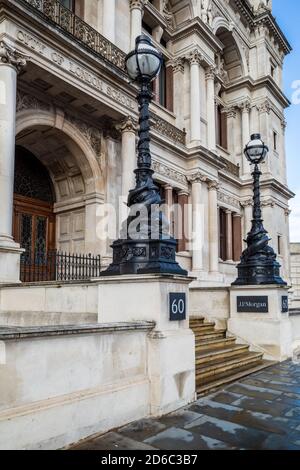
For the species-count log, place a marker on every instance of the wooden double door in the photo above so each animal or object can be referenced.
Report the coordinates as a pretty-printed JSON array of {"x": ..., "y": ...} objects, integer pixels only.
[{"x": 34, "y": 230}]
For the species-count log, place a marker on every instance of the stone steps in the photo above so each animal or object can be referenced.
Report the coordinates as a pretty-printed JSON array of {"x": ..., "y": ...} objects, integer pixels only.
[{"x": 219, "y": 360}]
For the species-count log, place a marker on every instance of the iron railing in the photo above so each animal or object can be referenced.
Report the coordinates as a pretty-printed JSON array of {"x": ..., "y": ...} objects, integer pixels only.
[
  {"x": 54, "y": 11},
  {"x": 57, "y": 266}
]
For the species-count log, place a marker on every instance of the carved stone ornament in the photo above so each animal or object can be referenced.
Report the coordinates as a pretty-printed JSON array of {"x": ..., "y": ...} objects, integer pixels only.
[
  {"x": 206, "y": 12},
  {"x": 165, "y": 170},
  {"x": 197, "y": 177},
  {"x": 137, "y": 4},
  {"x": 213, "y": 185},
  {"x": 195, "y": 57},
  {"x": 92, "y": 135},
  {"x": 228, "y": 199},
  {"x": 26, "y": 101},
  {"x": 10, "y": 56},
  {"x": 178, "y": 65},
  {"x": 128, "y": 124}
]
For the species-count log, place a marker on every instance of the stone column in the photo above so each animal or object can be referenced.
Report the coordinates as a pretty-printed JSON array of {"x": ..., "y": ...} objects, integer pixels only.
[
  {"x": 178, "y": 71},
  {"x": 136, "y": 15},
  {"x": 213, "y": 226},
  {"x": 264, "y": 111},
  {"x": 237, "y": 236},
  {"x": 211, "y": 109},
  {"x": 197, "y": 220},
  {"x": 195, "y": 59},
  {"x": 109, "y": 20},
  {"x": 183, "y": 199},
  {"x": 11, "y": 62},
  {"x": 231, "y": 131},
  {"x": 169, "y": 203},
  {"x": 247, "y": 205},
  {"x": 229, "y": 251},
  {"x": 128, "y": 127},
  {"x": 245, "y": 111}
]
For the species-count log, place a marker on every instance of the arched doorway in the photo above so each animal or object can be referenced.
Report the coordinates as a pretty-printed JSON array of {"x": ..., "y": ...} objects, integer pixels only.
[{"x": 34, "y": 219}]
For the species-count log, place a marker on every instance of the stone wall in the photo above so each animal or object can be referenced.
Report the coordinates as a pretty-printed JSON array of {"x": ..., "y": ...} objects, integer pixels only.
[{"x": 295, "y": 273}]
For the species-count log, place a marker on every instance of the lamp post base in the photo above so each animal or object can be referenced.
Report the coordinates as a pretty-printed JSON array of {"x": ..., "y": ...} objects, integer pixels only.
[
  {"x": 257, "y": 273},
  {"x": 144, "y": 257}
]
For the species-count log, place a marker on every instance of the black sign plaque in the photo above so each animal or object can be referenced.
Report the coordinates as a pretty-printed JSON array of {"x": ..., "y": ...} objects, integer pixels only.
[
  {"x": 284, "y": 304},
  {"x": 177, "y": 306},
  {"x": 253, "y": 304}
]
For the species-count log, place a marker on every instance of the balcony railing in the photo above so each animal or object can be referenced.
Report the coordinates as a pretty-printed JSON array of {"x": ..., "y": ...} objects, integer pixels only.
[
  {"x": 54, "y": 11},
  {"x": 56, "y": 266}
]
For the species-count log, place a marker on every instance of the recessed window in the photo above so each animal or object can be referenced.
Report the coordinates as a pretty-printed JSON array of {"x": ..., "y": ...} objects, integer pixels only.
[
  {"x": 221, "y": 123},
  {"x": 279, "y": 244},
  {"x": 146, "y": 27},
  {"x": 275, "y": 140}
]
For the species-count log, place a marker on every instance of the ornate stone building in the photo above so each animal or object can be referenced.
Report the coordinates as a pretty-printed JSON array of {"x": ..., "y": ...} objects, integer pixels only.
[
  {"x": 68, "y": 129},
  {"x": 75, "y": 124}
]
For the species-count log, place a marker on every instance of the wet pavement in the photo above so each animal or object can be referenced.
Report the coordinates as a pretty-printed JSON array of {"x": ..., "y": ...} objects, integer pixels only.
[{"x": 261, "y": 411}]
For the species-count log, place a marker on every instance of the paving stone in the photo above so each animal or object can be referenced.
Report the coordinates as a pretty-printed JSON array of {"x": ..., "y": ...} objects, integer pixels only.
[
  {"x": 268, "y": 407},
  {"x": 112, "y": 441},
  {"x": 232, "y": 433},
  {"x": 251, "y": 419},
  {"x": 181, "y": 439},
  {"x": 225, "y": 397},
  {"x": 179, "y": 418},
  {"x": 142, "y": 429},
  {"x": 275, "y": 442},
  {"x": 253, "y": 391}
]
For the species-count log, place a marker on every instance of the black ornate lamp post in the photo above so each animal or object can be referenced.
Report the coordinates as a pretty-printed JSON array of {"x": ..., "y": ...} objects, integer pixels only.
[
  {"x": 258, "y": 264},
  {"x": 145, "y": 245}
]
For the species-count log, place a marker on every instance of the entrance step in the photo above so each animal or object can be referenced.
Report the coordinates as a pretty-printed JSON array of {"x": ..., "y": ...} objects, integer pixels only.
[{"x": 219, "y": 360}]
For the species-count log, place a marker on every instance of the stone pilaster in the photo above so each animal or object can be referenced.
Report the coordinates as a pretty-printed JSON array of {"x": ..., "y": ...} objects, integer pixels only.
[
  {"x": 245, "y": 108},
  {"x": 136, "y": 15},
  {"x": 195, "y": 59},
  {"x": 183, "y": 200},
  {"x": 229, "y": 251},
  {"x": 211, "y": 108},
  {"x": 109, "y": 20},
  {"x": 197, "y": 179},
  {"x": 178, "y": 78},
  {"x": 128, "y": 128},
  {"x": 213, "y": 226}
]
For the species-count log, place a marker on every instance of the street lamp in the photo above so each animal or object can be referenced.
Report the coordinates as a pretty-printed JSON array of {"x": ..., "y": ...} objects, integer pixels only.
[
  {"x": 145, "y": 245},
  {"x": 258, "y": 264}
]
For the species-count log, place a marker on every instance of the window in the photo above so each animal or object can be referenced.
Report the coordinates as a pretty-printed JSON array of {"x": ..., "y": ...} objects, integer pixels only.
[
  {"x": 70, "y": 4},
  {"x": 222, "y": 234},
  {"x": 221, "y": 122},
  {"x": 147, "y": 28},
  {"x": 279, "y": 244},
  {"x": 275, "y": 140}
]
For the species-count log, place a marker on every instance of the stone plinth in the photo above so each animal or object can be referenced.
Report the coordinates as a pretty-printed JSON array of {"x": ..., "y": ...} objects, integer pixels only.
[
  {"x": 171, "y": 373},
  {"x": 269, "y": 327}
]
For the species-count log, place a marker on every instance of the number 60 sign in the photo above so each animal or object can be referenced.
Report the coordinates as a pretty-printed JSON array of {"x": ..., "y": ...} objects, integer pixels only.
[{"x": 177, "y": 306}]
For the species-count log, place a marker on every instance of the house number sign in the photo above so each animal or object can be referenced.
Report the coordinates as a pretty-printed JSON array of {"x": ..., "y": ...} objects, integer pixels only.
[{"x": 177, "y": 306}]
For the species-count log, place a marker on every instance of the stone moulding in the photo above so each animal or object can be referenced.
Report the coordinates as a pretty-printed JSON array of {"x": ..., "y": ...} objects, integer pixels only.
[
  {"x": 19, "y": 333},
  {"x": 167, "y": 129}
]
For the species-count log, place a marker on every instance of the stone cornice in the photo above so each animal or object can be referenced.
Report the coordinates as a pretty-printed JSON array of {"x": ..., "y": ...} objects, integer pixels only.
[
  {"x": 11, "y": 56},
  {"x": 197, "y": 27},
  {"x": 267, "y": 19}
]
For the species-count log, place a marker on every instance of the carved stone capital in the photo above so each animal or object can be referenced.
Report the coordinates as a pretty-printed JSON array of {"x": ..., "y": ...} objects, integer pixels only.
[
  {"x": 197, "y": 177},
  {"x": 178, "y": 65},
  {"x": 128, "y": 124},
  {"x": 230, "y": 111},
  {"x": 246, "y": 203},
  {"x": 213, "y": 185},
  {"x": 283, "y": 125},
  {"x": 137, "y": 4},
  {"x": 10, "y": 56},
  {"x": 210, "y": 72},
  {"x": 195, "y": 57},
  {"x": 245, "y": 106},
  {"x": 264, "y": 107}
]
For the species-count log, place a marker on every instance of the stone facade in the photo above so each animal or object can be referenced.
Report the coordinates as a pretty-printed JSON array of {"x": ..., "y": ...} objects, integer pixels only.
[
  {"x": 76, "y": 112},
  {"x": 295, "y": 274}
]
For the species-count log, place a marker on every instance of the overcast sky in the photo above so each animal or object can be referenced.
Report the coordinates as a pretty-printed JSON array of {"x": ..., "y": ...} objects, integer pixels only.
[{"x": 287, "y": 13}]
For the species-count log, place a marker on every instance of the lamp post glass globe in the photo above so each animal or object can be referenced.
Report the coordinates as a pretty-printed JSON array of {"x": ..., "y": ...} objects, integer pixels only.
[
  {"x": 144, "y": 63},
  {"x": 256, "y": 151}
]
